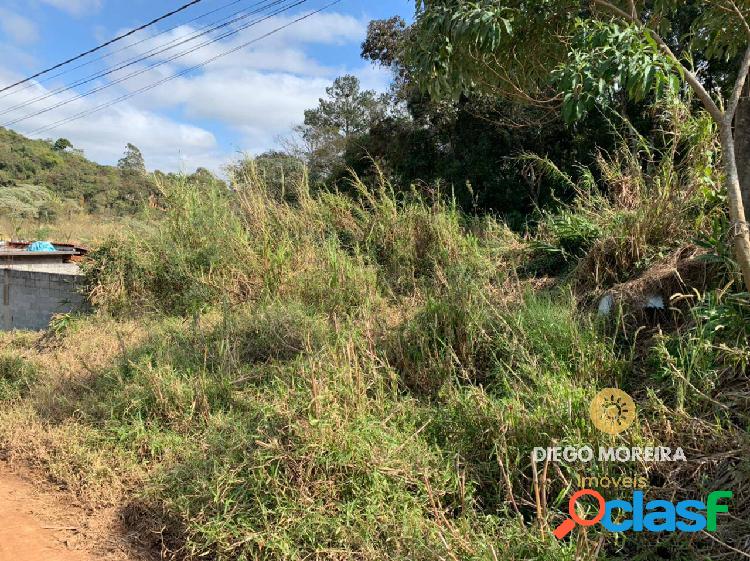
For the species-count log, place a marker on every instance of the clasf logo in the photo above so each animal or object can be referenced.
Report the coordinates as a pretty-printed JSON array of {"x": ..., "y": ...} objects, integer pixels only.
[{"x": 654, "y": 516}]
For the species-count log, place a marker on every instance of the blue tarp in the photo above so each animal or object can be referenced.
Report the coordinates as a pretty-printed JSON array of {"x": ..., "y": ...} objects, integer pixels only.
[{"x": 41, "y": 246}]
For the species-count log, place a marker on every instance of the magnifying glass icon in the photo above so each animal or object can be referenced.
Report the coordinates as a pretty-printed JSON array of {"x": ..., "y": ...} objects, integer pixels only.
[{"x": 567, "y": 526}]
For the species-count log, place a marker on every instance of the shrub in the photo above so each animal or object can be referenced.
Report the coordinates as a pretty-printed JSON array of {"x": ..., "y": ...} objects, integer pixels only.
[
  {"x": 451, "y": 337},
  {"x": 191, "y": 258},
  {"x": 277, "y": 331},
  {"x": 364, "y": 376},
  {"x": 644, "y": 199},
  {"x": 696, "y": 364}
]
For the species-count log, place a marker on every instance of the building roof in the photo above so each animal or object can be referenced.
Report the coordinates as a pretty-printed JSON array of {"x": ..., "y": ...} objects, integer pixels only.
[
  {"x": 8, "y": 253},
  {"x": 18, "y": 251}
]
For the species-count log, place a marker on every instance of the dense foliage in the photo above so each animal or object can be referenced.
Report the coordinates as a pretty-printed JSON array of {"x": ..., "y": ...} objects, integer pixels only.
[
  {"x": 468, "y": 146},
  {"x": 351, "y": 351},
  {"x": 364, "y": 377}
]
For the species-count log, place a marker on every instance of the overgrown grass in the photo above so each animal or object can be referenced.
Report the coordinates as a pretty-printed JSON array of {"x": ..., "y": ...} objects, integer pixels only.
[
  {"x": 16, "y": 376},
  {"x": 647, "y": 198},
  {"x": 358, "y": 378},
  {"x": 71, "y": 227}
]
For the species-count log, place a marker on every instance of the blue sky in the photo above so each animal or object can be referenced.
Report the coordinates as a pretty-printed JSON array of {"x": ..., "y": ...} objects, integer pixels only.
[{"x": 243, "y": 102}]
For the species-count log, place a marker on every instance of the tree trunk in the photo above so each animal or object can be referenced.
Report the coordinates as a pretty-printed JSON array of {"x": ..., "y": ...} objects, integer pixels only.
[
  {"x": 742, "y": 146},
  {"x": 739, "y": 229}
]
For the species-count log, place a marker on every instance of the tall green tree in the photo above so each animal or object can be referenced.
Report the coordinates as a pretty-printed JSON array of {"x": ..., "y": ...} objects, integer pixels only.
[
  {"x": 132, "y": 161},
  {"x": 468, "y": 144},
  {"x": 346, "y": 112},
  {"x": 511, "y": 47},
  {"x": 62, "y": 144}
]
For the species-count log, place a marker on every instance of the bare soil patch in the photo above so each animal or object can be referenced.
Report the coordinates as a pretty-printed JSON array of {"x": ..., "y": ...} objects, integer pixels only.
[{"x": 39, "y": 522}]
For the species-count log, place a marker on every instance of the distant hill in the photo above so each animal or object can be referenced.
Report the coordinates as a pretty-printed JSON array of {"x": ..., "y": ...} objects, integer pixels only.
[{"x": 41, "y": 178}]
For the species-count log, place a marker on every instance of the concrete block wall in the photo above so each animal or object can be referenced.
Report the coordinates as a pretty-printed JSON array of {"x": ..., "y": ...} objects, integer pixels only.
[{"x": 31, "y": 298}]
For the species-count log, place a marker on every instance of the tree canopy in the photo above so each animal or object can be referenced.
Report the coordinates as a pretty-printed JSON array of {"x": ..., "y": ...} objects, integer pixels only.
[
  {"x": 66, "y": 176},
  {"x": 132, "y": 161},
  {"x": 515, "y": 48},
  {"x": 346, "y": 112},
  {"x": 512, "y": 46},
  {"x": 62, "y": 144}
]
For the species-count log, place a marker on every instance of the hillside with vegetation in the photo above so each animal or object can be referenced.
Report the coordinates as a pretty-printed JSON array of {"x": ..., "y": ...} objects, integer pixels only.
[
  {"x": 352, "y": 352},
  {"x": 45, "y": 179}
]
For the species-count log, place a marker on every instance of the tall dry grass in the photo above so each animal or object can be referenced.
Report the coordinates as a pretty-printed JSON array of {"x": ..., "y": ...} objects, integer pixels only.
[{"x": 328, "y": 376}]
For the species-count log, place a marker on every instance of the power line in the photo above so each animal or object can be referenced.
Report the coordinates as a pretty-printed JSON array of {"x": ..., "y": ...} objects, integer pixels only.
[
  {"x": 179, "y": 74},
  {"x": 148, "y": 54},
  {"x": 59, "y": 104},
  {"x": 118, "y": 38},
  {"x": 134, "y": 44}
]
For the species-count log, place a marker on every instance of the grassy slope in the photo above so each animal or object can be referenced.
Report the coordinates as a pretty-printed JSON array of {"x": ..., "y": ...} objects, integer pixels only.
[{"x": 366, "y": 380}]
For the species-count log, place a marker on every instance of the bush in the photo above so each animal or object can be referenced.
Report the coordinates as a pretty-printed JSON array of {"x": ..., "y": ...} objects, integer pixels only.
[
  {"x": 277, "y": 331},
  {"x": 706, "y": 357},
  {"x": 451, "y": 337},
  {"x": 643, "y": 200},
  {"x": 192, "y": 258}
]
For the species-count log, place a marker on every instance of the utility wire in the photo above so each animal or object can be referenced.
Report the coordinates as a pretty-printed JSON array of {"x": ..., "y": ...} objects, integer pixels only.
[
  {"x": 225, "y": 22},
  {"x": 118, "y": 38},
  {"x": 273, "y": 4},
  {"x": 103, "y": 106},
  {"x": 129, "y": 46}
]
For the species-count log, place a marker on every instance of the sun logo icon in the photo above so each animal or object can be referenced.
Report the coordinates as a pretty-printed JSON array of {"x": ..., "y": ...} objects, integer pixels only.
[{"x": 612, "y": 411}]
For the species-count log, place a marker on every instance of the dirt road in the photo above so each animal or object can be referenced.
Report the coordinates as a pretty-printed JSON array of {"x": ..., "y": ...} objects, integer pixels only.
[{"x": 38, "y": 524}]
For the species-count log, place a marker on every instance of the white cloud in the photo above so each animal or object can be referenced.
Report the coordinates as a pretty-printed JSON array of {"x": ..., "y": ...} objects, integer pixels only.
[
  {"x": 75, "y": 7},
  {"x": 281, "y": 51},
  {"x": 248, "y": 99},
  {"x": 329, "y": 28},
  {"x": 20, "y": 29},
  {"x": 255, "y": 95},
  {"x": 165, "y": 142},
  {"x": 373, "y": 77},
  {"x": 21, "y": 57},
  {"x": 261, "y": 105}
]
